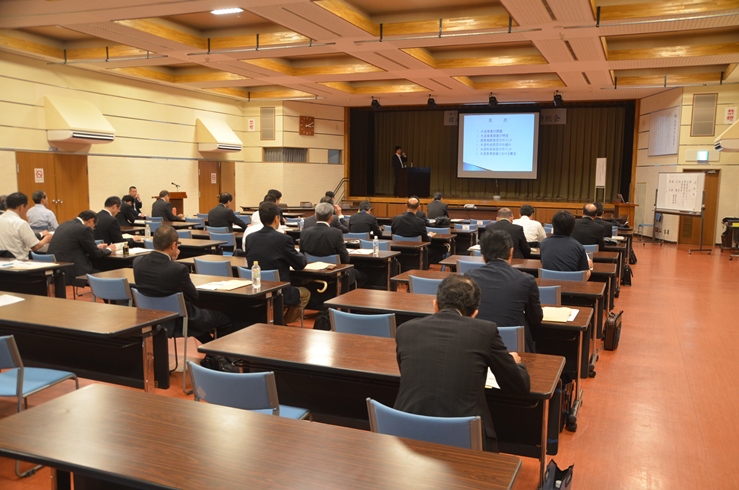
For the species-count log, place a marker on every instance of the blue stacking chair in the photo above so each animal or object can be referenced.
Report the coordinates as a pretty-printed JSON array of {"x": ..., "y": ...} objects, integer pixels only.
[
  {"x": 563, "y": 275},
  {"x": 382, "y": 325},
  {"x": 357, "y": 236},
  {"x": 477, "y": 253},
  {"x": 331, "y": 259},
  {"x": 229, "y": 238},
  {"x": 400, "y": 238},
  {"x": 513, "y": 338},
  {"x": 591, "y": 249},
  {"x": 550, "y": 295},
  {"x": 614, "y": 230},
  {"x": 248, "y": 391},
  {"x": 213, "y": 267},
  {"x": 149, "y": 244},
  {"x": 267, "y": 275},
  {"x": 463, "y": 432},
  {"x": 43, "y": 257},
  {"x": 548, "y": 228},
  {"x": 483, "y": 222},
  {"x": 292, "y": 221},
  {"x": 184, "y": 233},
  {"x": 110, "y": 289},
  {"x": 442, "y": 231},
  {"x": 158, "y": 219},
  {"x": 217, "y": 229},
  {"x": 384, "y": 244},
  {"x": 460, "y": 226},
  {"x": 153, "y": 225},
  {"x": 21, "y": 382},
  {"x": 422, "y": 285},
  {"x": 467, "y": 265},
  {"x": 199, "y": 222}
]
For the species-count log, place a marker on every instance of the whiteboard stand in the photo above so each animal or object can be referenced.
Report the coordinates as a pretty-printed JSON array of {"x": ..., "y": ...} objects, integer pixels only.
[
  {"x": 685, "y": 213},
  {"x": 700, "y": 242}
]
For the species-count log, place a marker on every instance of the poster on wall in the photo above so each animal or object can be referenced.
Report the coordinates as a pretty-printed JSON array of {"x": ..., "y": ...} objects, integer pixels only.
[
  {"x": 664, "y": 132},
  {"x": 38, "y": 175},
  {"x": 730, "y": 115}
]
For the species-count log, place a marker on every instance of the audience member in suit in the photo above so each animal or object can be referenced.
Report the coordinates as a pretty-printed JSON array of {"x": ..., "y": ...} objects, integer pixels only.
[
  {"x": 108, "y": 228},
  {"x": 444, "y": 359},
  {"x": 561, "y": 252},
  {"x": 322, "y": 240},
  {"x": 408, "y": 224},
  {"x": 159, "y": 274},
  {"x": 16, "y": 236},
  {"x": 278, "y": 197},
  {"x": 223, "y": 215},
  {"x": 509, "y": 297},
  {"x": 437, "y": 208},
  {"x": 39, "y": 216},
  {"x": 364, "y": 222},
  {"x": 587, "y": 231},
  {"x": 607, "y": 225},
  {"x": 127, "y": 215},
  {"x": 137, "y": 204},
  {"x": 74, "y": 242},
  {"x": 162, "y": 208},
  {"x": 420, "y": 214},
  {"x": 338, "y": 222},
  {"x": 532, "y": 230},
  {"x": 521, "y": 248},
  {"x": 275, "y": 250},
  {"x": 399, "y": 161}
]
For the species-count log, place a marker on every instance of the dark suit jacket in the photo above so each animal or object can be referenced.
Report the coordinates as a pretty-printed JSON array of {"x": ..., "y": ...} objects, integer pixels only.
[
  {"x": 607, "y": 227},
  {"x": 409, "y": 225},
  {"x": 322, "y": 240},
  {"x": 363, "y": 222},
  {"x": 443, "y": 361},
  {"x": 137, "y": 205},
  {"x": 339, "y": 224},
  {"x": 437, "y": 208},
  {"x": 521, "y": 248},
  {"x": 163, "y": 209},
  {"x": 588, "y": 232},
  {"x": 127, "y": 216},
  {"x": 74, "y": 242},
  {"x": 223, "y": 216},
  {"x": 274, "y": 250},
  {"x": 509, "y": 297},
  {"x": 396, "y": 162},
  {"x": 108, "y": 229}
]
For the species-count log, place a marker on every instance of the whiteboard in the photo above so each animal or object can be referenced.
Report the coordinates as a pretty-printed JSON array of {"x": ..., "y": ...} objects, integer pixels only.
[
  {"x": 664, "y": 132},
  {"x": 681, "y": 191}
]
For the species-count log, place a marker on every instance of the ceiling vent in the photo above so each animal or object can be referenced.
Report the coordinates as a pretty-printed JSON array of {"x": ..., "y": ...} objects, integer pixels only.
[
  {"x": 76, "y": 121},
  {"x": 213, "y": 135}
]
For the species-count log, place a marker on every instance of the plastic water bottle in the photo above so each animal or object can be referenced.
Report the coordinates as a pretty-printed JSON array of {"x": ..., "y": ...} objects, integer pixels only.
[
  {"x": 147, "y": 232},
  {"x": 256, "y": 275},
  {"x": 301, "y": 223},
  {"x": 375, "y": 247}
]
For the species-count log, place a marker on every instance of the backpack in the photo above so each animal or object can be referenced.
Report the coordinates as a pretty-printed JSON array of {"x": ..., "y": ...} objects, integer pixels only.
[
  {"x": 632, "y": 257},
  {"x": 627, "y": 275},
  {"x": 323, "y": 321},
  {"x": 443, "y": 221}
]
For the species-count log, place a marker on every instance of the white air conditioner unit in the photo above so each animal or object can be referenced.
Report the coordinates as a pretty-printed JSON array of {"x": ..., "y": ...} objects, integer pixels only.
[
  {"x": 218, "y": 147},
  {"x": 728, "y": 140},
  {"x": 76, "y": 121},
  {"x": 81, "y": 137}
]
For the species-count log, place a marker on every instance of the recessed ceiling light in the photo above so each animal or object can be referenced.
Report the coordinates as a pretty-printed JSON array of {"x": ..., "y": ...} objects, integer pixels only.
[{"x": 234, "y": 10}]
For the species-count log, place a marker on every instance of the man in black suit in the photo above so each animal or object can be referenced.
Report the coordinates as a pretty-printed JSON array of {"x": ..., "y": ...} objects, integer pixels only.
[
  {"x": 521, "y": 248},
  {"x": 607, "y": 225},
  {"x": 338, "y": 222},
  {"x": 509, "y": 297},
  {"x": 437, "y": 208},
  {"x": 158, "y": 274},
  {"x": 587, "y": 231},
  {"x": 107, "y": 228},
  {"x": 322, "y": 240},
  {"x": 275, "y": 250},
  {"x": 137, "y": 204},
  {"x": 162, "y": 208},
  {"x": 419, "y": 213},
  {"x": 278, "y": 197},
  {"x": 127, "y": 215},
  {"x": 561, "y": 252},
  {"x": 74, "y": 242},
  {"x": 399, "y": 161},
  {"x": 223, "y": 215},
  {"x": 364, "y": 222},
  {"x": 408, "y": 224},
  {"x": 444, "y": 359}
]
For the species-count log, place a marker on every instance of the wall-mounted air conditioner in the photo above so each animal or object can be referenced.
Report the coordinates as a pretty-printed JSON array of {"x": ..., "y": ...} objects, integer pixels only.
[
  {"x": 215, "y": 136},
  {"x": 76, "y": 121}
]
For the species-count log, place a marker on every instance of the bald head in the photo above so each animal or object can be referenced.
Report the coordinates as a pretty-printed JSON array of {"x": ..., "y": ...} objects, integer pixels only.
[
  {"x": 589, "y": 210},
  {"x": 505, "y": 213}
]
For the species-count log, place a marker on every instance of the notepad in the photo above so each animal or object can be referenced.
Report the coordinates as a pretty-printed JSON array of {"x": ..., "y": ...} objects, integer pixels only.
[
  {"x": 559, "y": 314},
  {"x": 132, "y": 251},
  {"x": 319, "y": 266},
  {"x": 361, "y": 251},
  {"x": 490, "y": 381},
  {"x": 25, "y": 264},
  {"x": 224, "y": 285},
  {"x": 8, "y": 299},
  {"x": 474, "y": 247}
]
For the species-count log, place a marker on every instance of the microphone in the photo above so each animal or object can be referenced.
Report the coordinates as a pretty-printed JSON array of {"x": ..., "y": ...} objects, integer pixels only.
[{"x": 178, "y": 187}]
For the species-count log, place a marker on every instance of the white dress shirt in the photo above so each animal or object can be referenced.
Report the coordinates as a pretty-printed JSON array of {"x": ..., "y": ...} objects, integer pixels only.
[{"x": 532, "y": 229}]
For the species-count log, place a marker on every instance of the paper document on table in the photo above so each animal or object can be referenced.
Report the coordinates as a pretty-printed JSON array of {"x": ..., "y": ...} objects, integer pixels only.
[
  {"x": 7, "y": 299},
  {"x": 132, "y": 251},
  {"x": 225, "y": 285},
  {"x": 28, "y": 264},
  {"x": 319, "y": 266},
  {"x": 617, "y": 238},
  {"x": 557, "y": 314},
  {"x": 126, "y": 236},
  {"x": 361, "y": 251},
  {"x": 474, "y": 247},
  {"x": 490, "y": 381}
]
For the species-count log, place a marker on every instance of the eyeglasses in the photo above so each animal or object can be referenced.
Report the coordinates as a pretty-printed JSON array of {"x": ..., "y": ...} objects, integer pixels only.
[{"x": 179, "y": 243}]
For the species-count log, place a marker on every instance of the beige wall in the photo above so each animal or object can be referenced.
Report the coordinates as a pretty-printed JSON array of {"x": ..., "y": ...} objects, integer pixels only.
[
  {"x": 155, "y": 135},
  {"x": 649, "y": 168}
]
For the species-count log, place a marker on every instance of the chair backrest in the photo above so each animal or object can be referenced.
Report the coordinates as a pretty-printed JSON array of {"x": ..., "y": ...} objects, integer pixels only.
[
  {"x": 331, "y": 259},
  {"x": 184, "y": 233},
  {"x": 158, "y": 219},
  {"x": 563, "y": 275},
  {"x": 154, "y": 225},
  {"x": 442, "y": 231},
  {"x": 229, "y": 238},
  {"x": 614, "y": 230},
  {"x": 203, "y": 215},
  {"x": 467, "y": 265},
  {"x": 422, "y": 285},
  {"x": 550, "y": 295},
  {"x": 199, "y": 222},
  {"x": 10, "y": 357},
  {"x": 483, "y": 222},
  {"x": 292, "y": 221},
  {"x": 357, "y": 236},
  {"x": 111, "y": 289},
  {"x": 99, "y": 242},
  {"x": 268, "y": 275},
  {"x": 463, "y": 432},
  {"x": 382, "y": 325},
  {"x": 513, "y": 338},
  {"x": 248, "y": 391},
  {"x": 548, "y": 228},
  {"x": 174, "y": 302},
  {"x": 217, "y": 229},
  {"x": 43, "y": 257},
  {"x": 245, "y": 218},
  {"x": 400, "y": 238},
  {"x": 477, "y": 253},
  {"x": 590, "y": 248},
  {"x": 149, "y": 244},
  {"x": 462, "y": 226},
  {"x": 384, "y": 244},
  {"x": 213, "y": 267},
  {"x": 388, "y": 228}
]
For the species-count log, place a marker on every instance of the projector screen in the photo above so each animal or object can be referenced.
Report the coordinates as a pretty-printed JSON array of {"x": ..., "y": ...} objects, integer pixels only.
[{"x": 498, "y": 146}]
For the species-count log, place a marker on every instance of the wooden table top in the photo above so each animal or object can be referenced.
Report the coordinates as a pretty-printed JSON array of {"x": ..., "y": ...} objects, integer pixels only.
[
  {"x": 31, "y": 266},
  {"x": 160, "y": 442},
  {"x": 348, "y": 354},
  {"x": 204, "y": 234},
  {"x": 400, "y": 245},
  {"x": 413, "y": 304},
  {"x": 383, "y": 255},
  {"x": 81, "y": 317}
]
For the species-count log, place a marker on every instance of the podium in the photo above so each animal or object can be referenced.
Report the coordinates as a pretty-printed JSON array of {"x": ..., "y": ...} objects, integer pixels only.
[
  {"x": 414, "y": 181},
  {"x": 177, "y": 199},
  {"x": 625, "y": 208}
]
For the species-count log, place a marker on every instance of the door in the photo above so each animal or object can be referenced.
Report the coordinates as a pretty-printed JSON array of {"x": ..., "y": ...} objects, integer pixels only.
[
  {"x": 689, "y": 232},
  {"x": 209, "y": 185}
]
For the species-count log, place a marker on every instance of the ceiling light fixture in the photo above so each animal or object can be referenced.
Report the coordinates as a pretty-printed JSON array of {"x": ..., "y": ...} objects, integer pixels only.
[
  {"x": 431, "y": 102},
  {"x": 375, "y": 104},
  {"x": 492, "y": 101},
  {"x": 235, "y": 10},
  {"x": 558, "y": 102}
]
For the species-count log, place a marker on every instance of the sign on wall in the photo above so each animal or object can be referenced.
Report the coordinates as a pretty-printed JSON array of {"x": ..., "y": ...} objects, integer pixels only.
[
  {"x": 38, "y": 175},
  {"x": 213, "y": 178}
]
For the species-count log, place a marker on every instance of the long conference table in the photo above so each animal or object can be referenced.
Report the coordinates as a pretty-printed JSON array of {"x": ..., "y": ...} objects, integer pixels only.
[
  {"x": 109, "y": 437},
  {"x": 332, "y": 373},
  {"x": 34, "y": 277}
]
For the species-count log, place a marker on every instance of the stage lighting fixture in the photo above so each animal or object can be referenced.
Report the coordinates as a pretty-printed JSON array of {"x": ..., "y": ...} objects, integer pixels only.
[
  {"x": 558, "y": 102},
  {"x": 431, "y": 103},
  {"x": 492, "y": 101},
  {"x": 375, "y": 104}
]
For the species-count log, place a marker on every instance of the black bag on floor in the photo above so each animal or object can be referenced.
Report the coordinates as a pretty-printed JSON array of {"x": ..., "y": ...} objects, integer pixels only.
[
  {"x": 612, "y": 330},
  {"x": 323, "y": 321},
  {"x": 632, "y": 257},
  {"x": 554, "y": 478},
  {"x": 627, "y": 275}
]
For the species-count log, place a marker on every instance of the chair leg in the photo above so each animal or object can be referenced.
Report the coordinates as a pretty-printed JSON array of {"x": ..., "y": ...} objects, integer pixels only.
[
  {"x": 25, "y": 473},
  {"x": 184, "y": 359},
  {"x": 176, "y": 357}
]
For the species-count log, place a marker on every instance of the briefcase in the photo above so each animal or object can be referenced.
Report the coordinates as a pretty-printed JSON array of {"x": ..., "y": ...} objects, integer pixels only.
[{"x": 612, "y": 330}]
